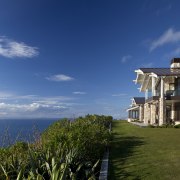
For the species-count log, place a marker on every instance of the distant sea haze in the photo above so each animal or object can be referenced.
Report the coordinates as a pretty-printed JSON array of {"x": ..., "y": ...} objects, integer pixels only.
[{"x": 12, "y": 130}]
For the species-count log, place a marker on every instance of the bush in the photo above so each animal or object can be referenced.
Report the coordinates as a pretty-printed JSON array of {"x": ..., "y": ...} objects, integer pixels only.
[
  {"x": 151, "y": 126},
  {"x": 66, "y": 150},
  {"x": 89, "y": 134},
  {"x": 177, "y": 126}
]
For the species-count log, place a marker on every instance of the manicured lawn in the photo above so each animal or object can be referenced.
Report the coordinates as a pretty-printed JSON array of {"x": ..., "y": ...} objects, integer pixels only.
[{"x": 144, "y": 153}]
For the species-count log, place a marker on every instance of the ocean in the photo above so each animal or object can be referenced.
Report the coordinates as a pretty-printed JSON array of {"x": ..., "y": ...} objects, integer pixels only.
[{"x": 13, "y": 130}]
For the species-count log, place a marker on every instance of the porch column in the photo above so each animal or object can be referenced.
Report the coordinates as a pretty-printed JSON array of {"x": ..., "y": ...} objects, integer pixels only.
[
  {"x": 137, "y": 114},
  {"x": 141, "y": 113},
  {"x": 162, "y": 105},
  {"x": 132, "y": 114},
  {"x": 146, "y": 94},
  {"x": 153, "y": 86},
  {"x": 173, "y": 112}
]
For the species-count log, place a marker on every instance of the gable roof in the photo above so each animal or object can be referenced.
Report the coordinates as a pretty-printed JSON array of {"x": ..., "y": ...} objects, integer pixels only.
[
  {"x": 162, "y": 71},
  {"x": 139, "y": 100}
]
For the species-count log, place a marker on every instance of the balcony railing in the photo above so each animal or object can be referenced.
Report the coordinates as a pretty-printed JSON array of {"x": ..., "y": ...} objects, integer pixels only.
[{"x": 169, "y": 95}]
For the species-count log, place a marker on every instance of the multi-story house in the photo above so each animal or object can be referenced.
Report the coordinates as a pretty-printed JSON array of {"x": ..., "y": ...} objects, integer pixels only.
[{"x": 161, "y": 104}]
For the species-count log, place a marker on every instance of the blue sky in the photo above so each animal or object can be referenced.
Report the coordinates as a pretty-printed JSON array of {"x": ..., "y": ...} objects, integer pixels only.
[{"x": 70, "y": 58}]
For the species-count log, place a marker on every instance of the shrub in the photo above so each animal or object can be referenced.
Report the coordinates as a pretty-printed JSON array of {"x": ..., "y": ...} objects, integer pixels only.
[
  {"x": 151, "y": 126},
  {"x": 177, "y": 126},
  {"x": 66, "y": 150}
]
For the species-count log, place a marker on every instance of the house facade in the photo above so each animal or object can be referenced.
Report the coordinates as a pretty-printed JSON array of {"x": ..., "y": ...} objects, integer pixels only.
[{"x": 161, "y": 87}]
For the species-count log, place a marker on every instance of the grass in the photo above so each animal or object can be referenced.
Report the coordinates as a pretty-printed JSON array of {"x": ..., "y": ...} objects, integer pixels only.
[{"x": 144, "y": 153}]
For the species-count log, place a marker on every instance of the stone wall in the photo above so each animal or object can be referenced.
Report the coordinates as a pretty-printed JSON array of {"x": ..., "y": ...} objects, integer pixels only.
[
  {"x": 162, "y": 111},
  {"x": 153, "y": 114},
  {"x": 141, "y": 113},
  {"x": 147, "y": 113}
]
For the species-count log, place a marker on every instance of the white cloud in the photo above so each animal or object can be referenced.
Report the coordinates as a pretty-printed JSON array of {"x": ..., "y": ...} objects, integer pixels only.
[
  {"x": 11, "y": 49},
  {"x": 60, "y": 77},
  {"x": 32, "y": 106},
  {"x": 124, "y": 59},
  {"x": 32, "y": 109},
  {"x": 5, "y": 95},
  {"x": 34, "y": 98},
  {"x": 169, "y": 36},
  {"x": 79, "y": 93}
]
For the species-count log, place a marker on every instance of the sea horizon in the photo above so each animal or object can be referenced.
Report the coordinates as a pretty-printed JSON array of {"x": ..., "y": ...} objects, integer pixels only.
[{"x": 22, "y": 129}]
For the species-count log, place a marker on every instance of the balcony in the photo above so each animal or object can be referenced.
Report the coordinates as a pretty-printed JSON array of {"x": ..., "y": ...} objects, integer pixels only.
[{"x": 173, "y": 95}]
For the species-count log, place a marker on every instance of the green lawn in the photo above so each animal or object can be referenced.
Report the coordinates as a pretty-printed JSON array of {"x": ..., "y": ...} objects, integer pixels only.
[{"x": 144, "y": 153}]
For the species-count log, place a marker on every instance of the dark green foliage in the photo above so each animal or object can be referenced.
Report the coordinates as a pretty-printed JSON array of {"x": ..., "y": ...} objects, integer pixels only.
[
  {"x": 162, "y": 126},
  {"x": 88, "y": 134},
  {"x": 151, "y": 126},
  {"x": 66, "y": 150},
  {"x": 177, "y": 126}
]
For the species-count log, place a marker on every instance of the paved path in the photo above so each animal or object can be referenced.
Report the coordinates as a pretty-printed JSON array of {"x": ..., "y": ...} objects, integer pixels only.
[
  {"x": 139, "y": 124},
  {"x": 104, "y": 166}
]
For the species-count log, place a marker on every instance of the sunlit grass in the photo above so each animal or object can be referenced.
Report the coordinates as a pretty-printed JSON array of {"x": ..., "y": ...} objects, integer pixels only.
[{"x": 144, "y": 153}]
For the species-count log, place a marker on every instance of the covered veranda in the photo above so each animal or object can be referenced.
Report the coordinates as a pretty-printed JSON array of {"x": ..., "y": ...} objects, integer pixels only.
[{"x": 133, "y": 113}]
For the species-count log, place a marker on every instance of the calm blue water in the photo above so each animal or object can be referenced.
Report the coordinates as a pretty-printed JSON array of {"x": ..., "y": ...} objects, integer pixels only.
[{"x": 12, "y": 130}]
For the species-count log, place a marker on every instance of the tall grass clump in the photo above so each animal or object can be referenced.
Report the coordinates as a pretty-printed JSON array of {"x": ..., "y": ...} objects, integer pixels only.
[{"x": 65, "y": 150}]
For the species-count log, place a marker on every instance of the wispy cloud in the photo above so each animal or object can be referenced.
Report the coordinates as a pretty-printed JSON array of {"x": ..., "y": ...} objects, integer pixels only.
[
  {"x": 79, "y": 93},
  {"x": 176, "y": 51},
  {"x": 12, "y": 105},
  {"x": 169, "y": 36},
  {"x": 11, "y": 49},
  {"x": 60, "y": 77},
  {"x": 31, "y": 110},
  {"x": 5, "y": 95},
  {"x": 147, "y": 65},
  {"x": 124, "y": 59},
  {"x": 173, "y": 53},
  {"x": 119, "y": 95},
  {"x": 163, "y": 9},
  {"x": 151, "y": 7}
]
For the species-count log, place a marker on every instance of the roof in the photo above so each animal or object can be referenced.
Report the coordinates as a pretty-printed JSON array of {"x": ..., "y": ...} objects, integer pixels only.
[
  {"x": 162, "y": 71},
  {"x": 139, "y": 100}
]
